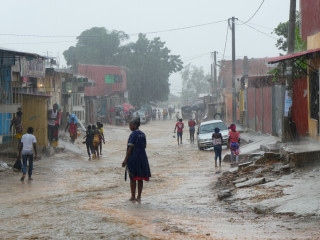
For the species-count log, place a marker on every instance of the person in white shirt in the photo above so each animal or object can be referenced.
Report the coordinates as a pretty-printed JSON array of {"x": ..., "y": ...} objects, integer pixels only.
[
  {"x": 53, "y": 116},
  {"x": 28, "y": 142}
]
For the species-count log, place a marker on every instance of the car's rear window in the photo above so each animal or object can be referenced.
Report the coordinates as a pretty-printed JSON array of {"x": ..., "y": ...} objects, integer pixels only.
[{"x": 210, "y": 127}]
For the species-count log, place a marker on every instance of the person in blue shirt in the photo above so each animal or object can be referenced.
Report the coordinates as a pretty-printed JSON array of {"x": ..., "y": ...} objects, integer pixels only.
[{"x": 136, "y": 160}]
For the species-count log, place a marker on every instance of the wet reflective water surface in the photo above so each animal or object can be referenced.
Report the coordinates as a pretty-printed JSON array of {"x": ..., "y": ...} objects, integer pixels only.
[{"x": 73, "y": 198}]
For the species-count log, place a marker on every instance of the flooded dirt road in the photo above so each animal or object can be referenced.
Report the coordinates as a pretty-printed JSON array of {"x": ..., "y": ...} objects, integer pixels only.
[{"x": 73, "y": 198}]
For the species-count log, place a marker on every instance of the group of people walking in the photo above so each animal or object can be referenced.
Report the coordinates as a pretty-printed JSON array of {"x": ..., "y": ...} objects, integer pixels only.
[
  {"x": 93, "y": 140},
  {"x": 217, "y": 140},
  {"x": 233, "y": 144},
  {"x": 179, "y": 129}
]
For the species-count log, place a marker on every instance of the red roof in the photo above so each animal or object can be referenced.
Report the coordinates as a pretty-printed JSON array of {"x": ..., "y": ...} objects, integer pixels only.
[
  {"x": 308, "y": 54},
  {"x": 97, "y": 74}
]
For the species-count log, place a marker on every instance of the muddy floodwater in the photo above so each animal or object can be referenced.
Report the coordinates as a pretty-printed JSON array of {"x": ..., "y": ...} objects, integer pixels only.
[{"x": 73, "y": 198}]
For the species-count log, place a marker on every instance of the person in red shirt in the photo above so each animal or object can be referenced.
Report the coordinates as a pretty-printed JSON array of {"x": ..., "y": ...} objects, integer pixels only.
[
  {"x": 179, "y": 126},
  {"x": 192, "y": 129},
  {"x": 234, "y": 140}
]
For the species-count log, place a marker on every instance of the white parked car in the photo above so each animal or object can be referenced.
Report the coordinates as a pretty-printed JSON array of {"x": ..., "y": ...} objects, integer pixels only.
[
  {"x": 205, "y": 131},
  {"x": 142, "y": 116}
]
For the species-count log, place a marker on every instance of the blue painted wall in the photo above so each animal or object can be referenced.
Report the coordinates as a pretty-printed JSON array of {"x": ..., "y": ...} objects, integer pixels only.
[{"x": 5, "y": 98}]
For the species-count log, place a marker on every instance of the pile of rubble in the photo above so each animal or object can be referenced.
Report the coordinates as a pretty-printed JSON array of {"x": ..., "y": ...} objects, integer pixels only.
[{"x": 245, "y": 183}]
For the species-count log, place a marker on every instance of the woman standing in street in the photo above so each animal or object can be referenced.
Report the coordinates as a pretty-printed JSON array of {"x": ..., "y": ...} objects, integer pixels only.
[
  {"x": 217, "y": 145},
  {"x": 136, "y": 160}
]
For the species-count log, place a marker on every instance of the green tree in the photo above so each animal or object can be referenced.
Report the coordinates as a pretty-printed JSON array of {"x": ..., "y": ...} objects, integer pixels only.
[
  {"x": 149, "y": 65},
  {"x": 95, "y": 46},
  {"x": 282, "y": 31},
  {"x": 194, "y": 82},
  {"x": 300, "y": 67},
  {"x": 148, "y": 62}
]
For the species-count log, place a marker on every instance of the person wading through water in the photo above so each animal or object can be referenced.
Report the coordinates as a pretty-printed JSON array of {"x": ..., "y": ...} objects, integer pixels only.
[
  {"x": 72, "y": 127},
  {"x": 179, "y": 126},
  {"x": 28, "y": 142},
  {"x": 192, "y": 129},
  {"x": 136, "y": 160},
  {"x": 95, "y": 142}
]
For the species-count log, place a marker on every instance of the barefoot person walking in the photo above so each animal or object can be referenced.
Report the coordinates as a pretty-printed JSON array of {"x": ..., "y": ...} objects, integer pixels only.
[{"x": 136, "y": 160}]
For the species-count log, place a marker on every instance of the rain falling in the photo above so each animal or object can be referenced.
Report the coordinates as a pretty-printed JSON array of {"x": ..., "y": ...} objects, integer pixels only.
[{"x": 160, "y": 120}]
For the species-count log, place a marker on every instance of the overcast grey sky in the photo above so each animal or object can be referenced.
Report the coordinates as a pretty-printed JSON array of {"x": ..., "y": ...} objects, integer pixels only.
[{"x": 71, "y": 17}]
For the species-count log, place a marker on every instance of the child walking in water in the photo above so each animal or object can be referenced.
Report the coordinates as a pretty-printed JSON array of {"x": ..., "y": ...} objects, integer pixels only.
[
  {"x": 234, "y": 140},
  {"x": 136, "y": 160},
  {"x": 88, "y": 142},
  {"x": 95, "y": 142},
  {"x": 100, "y": 128},
  {"x": 217, "y": 145}
]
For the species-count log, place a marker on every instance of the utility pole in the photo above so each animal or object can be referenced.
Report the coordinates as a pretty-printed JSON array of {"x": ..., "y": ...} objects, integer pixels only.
[
  {"x": 234, "y": 107},
  {"x": 292, "y": 26},
  {"x": 215, "y": 82},
  {"x": 287, "y": 113}
]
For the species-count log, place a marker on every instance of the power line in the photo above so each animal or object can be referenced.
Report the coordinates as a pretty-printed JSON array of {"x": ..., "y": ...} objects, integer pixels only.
[
  {"x": 180, "y": 28},
  {"x": 268, "y": 35},
  {"x": 225, "y": 43},
  {"x": 258, "y": 25},
  {"x": 254, "y": 13},
  {"x": 200, "y": 54},
  {"x": 195, "y": 57},
  {"x": 132, "y": 34},
  {"x": 38, "y": 42}
]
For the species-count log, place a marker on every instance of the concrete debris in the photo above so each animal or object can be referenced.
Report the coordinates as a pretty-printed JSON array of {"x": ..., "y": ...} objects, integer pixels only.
[
  {"x": 242, "y": 165},
  {"x": 251, "y": 182},
  {"x": 224, "y": 194},
  {"x": 250, "y": 168},
  {"x": 258, "y": 171},
  {"x": 258, "y": 209},
  {"x": 240, "y": 180},
  {"x": 233, "y": 170},
  {"x": 286, "y": 168}
]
